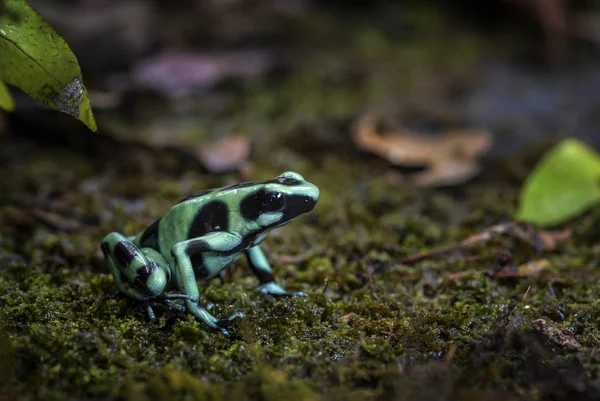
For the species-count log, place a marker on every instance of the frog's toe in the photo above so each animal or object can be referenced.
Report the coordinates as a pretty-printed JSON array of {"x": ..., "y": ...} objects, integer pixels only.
[
  {"x": 174, "y": 305},
  {"x": 224, "y": 332},
  {"x": 150, "y": 312},
  {"x": 237, "y": 315},
  {"x": 300, "y": 294},
  {"x": 272, "y": 288},
  {"x": 209, "y": 307},
  {"x": 228, "y": 321}
]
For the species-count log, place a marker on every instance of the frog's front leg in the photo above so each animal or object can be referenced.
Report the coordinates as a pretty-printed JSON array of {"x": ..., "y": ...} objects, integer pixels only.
[
  {"x": 206, "y": 252},
  {"x": 261, "y": 268}
]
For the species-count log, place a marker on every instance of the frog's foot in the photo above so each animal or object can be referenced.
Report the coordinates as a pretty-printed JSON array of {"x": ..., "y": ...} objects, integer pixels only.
[
  {"x": 150, "y": 312},
  {"x": 213, "y": 322},
  {"x": 273, "y": 288},
  {"x": 223, "y": 323},
  {"x": 174, "y": 305}
]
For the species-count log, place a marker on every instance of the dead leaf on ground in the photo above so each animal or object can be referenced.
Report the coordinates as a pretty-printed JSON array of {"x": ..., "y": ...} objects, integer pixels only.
[
  {"x": 450, "y": 158},
  {"x": 530, "y": 269},
  {"x": 226, "y": 154},
  {"x": 181, "y": 74},
  {"x": 59, "y": 222},
  {"x": 349, "y": 318},
  {"x": 551, "y": 239},
  {"x": 541, "y": 240},
  {"x": 556, "y": 335}
]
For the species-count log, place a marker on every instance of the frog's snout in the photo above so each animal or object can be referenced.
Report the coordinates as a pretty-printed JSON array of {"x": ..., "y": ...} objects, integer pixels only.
[
  {"x": 308, "y": 200},
  {"x": 312, "y": 196},
  {"x": 302, "y": 202}
]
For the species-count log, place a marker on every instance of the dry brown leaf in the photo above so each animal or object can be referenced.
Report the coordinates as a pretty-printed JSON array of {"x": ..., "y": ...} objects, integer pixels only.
[
  {"x": 450, "y": 159},
  {"x": 349, "y": 318},
  {"x": 56, "y": 221},
  {"x": 178, "y": 74},
  {"x": 533, "y": 268},
  {"x": 556, "y": 335},
  {"x": 541, "y": 240},
  {"x": 551, "y": 239},
  {"x": 530, "y": 269},
  {"x": 225, "y": 154}
]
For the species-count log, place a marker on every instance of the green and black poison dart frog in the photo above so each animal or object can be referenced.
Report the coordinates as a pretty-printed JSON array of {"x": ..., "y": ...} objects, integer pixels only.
[{"x": 200, "y": 236}]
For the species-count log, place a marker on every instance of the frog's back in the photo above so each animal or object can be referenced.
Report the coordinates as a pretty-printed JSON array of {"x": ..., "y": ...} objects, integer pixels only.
[
  {"x": 246, "y": 210},
  {"x": 176, "y": 225}
]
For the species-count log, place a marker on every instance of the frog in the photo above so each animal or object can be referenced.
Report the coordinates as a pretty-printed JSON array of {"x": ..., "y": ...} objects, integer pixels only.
[{"x": 200, "y": 236}]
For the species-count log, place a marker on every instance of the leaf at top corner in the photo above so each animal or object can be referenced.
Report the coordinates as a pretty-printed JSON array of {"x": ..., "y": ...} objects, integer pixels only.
[
  {"x": 6, "y": 100},
  {"x": 564, "y": 184},
  {"x": 37, "y": 60}
]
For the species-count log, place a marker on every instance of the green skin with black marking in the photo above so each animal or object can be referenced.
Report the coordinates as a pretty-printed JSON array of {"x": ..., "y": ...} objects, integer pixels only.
[{"x": 200, "y": 236}]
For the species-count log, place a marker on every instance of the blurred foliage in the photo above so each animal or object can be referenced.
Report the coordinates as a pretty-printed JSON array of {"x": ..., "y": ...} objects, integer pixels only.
[{"x": 565, "y": 183}]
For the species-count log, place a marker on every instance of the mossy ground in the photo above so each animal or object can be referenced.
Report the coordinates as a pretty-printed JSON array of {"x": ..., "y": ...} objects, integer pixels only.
[{"x": 372, "y": 327}]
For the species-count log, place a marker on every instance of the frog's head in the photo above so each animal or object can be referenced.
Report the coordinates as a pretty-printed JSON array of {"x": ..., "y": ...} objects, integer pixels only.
[{"x": 276, "y": 202}]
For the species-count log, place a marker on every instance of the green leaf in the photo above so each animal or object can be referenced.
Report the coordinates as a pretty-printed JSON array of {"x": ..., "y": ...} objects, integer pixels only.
[
  {"x": 37, "y": 60},
  {"x": 6, "y": 100},
  {"x": 563, "y": 185}
]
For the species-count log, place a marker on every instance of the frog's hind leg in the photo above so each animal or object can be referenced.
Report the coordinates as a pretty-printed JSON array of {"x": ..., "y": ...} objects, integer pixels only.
[{"x": 141, "y": 274}]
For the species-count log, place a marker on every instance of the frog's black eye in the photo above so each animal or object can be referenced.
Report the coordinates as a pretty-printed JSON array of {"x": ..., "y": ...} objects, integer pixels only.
[{"x": 274, "y": 202}]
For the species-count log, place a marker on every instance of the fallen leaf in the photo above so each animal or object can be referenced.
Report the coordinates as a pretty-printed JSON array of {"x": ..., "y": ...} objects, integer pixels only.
[
  {"x": 541, "y": 240},
  {"x": 529, "y": 269},
  {"x": 450, "y": 158},
  {"x": 533, "y": 268},
  {"x": 180, "y": 74},
  {"x": 551, "y": 239},
  {"x": 225, "y": 154},
  {"x": 563, "y": 185},
  {"x": 556, "y": 335},
  {"x": 59, "y": 222},
  {"x": 349, "y": 318}
]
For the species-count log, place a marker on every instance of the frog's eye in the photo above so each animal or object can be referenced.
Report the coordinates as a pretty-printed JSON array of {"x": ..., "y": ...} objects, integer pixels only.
[
  {"x": 289, "y": 179},
  {"x": 274, "y": 202}
]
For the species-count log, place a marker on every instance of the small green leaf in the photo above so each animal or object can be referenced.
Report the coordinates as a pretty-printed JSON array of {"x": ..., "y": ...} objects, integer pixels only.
[
  {"x": 6, "y": 100},
  {"x": 564, "y": 184},
  {"x": 37, "y": 60}
]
